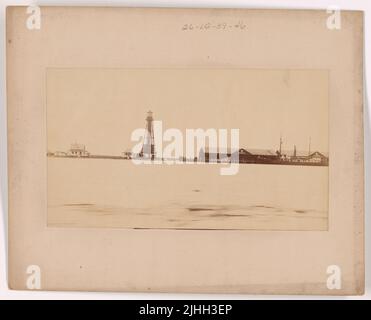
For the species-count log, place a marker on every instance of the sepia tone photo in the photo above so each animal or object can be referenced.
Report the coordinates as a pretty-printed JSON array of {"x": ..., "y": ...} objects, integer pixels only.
[{"x": 183, "y": 148}]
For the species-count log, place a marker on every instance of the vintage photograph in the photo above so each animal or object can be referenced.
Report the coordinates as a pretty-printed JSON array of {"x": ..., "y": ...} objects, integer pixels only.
[
  {"x": 185, "y": 150},
  {"x": 146, "y": 148}
]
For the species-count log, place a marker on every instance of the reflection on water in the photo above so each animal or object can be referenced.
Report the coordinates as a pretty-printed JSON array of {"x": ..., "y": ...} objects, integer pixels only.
[{"x": 118, "y": 194}]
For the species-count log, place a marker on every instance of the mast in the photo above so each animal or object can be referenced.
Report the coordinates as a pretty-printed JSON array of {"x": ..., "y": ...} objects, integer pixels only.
[{"x": 280, "y": 144}]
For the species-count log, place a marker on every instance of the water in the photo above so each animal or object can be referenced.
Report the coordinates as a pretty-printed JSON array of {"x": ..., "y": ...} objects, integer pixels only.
[{"x": 118, "y": 194}]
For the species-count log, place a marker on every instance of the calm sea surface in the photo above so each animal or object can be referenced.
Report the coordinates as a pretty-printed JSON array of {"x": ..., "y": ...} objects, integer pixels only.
[{"x": 119, "y": 194}]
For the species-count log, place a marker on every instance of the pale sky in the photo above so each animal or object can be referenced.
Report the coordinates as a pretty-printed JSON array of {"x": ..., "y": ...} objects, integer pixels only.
[{"x": 101, "y": 107}]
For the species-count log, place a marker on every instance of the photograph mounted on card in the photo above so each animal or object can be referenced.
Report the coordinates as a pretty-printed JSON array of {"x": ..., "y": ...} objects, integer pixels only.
[
  {"x": 219, "y": 148},
  {"x": 185, "y": 150}
]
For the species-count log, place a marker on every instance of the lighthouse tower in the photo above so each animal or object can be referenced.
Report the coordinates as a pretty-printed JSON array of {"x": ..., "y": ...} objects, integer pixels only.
[{"x": 148, "y": 149}]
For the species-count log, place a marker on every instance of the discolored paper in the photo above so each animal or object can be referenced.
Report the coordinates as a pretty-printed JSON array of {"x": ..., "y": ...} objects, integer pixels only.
[{"x": 85, "y": 217}]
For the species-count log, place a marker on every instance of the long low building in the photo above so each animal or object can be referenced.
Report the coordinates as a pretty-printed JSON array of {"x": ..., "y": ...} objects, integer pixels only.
[{"x": 265, "y": 156}]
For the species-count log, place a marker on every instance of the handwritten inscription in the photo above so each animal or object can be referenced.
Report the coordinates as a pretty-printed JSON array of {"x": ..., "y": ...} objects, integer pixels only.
[{"x": 239, "y": 25}]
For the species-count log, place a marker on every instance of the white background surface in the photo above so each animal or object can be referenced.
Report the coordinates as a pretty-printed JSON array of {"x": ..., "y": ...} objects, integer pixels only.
[{"x": 5, "y": 293}]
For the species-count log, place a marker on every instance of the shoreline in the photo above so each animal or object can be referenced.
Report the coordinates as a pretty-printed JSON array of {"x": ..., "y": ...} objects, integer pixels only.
[{"x": 177, "y": 161}]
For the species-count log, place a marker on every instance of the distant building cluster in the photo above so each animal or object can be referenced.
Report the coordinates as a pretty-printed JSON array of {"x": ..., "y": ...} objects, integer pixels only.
[
  {"x": 243, "y": 155},
  {"x": 266, "y": 157},
  {"x": 76, "y": 150}
]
